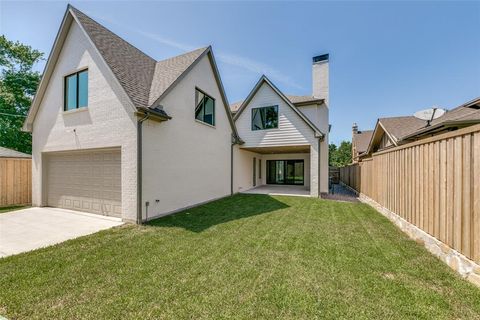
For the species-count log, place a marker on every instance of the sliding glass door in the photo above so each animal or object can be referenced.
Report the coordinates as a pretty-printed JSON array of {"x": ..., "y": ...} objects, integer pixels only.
[{"x": 285, "y": 172}]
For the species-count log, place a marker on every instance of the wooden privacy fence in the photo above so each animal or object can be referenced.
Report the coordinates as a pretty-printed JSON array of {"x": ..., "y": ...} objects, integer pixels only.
[
  {"x": 15, "y": 181},
  {"x": 432, "y": 183}
]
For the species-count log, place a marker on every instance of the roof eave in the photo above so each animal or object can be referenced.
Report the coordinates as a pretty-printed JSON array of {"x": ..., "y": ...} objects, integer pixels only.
[{"x": 445, "y": 124}]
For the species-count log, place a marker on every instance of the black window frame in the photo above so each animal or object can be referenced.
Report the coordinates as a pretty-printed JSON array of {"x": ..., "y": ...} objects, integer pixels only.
[
  {"x": 259, "y": 108},
  {"x": 196, "y": 104},
  {"x": 273, "y": 164},
  {"x": 76, "y": 74}
]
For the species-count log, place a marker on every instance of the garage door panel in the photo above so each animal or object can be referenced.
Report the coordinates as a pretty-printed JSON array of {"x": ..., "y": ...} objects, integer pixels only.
[{"x": 87, "y": 181}]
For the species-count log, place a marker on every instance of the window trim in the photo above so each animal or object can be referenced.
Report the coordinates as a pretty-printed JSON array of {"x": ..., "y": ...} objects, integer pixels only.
[
  {"x": 65, "y": 77},
  {"x": 260, "y": 169},
  {"x": 214, "y": 107},
  {"x": 278, "y": 118}
]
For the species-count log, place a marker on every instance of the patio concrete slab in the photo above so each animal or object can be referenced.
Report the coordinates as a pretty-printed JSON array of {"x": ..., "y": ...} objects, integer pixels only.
[
  {"x": 33, "y": 228},
  {"x": 300, "y": 191}
]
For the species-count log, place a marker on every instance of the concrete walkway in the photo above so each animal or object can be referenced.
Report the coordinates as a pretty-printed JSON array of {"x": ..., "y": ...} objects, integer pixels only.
[
  {"x": 272, "y": 189},
  {"x": 341, "y": 193},
  {"x": 33, "y": 228}
]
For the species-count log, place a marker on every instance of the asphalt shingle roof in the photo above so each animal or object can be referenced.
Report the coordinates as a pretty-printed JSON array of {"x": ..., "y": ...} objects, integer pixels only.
[
  {"x": 399, "y": 127},
  {"x": 143, "y": 78},
  {"x": 362, "y": 140},
  {"x": 9, "y": 153},
  {"x": 167, "y": 71}
]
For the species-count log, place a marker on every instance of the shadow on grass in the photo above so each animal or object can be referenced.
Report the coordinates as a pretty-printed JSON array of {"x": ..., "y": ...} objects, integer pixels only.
[{"x": 239, "y": 206}]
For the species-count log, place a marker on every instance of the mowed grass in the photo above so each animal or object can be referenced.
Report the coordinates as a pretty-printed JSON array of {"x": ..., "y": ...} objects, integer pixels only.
[
  {"x": 243, "y": 257},
  {"x": 13, "y": 208}
]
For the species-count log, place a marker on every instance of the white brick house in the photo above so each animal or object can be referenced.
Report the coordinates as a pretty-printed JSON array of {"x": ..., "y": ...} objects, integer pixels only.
[
  {"x": 285, "y": 137},
  {"x": 118, "y": 133}
]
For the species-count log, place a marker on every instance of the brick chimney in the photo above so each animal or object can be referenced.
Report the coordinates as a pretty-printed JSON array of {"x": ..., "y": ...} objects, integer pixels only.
[
  {"x": 354, "y": 128},
  {"x": 320, "y": 77}
]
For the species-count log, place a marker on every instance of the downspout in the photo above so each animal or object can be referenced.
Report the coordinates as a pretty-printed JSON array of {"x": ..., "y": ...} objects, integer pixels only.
[
  {"x": 139, "y": 168},
  {"x": 231, "y": 167},
  {"x": 319, "y": 169},
  {"x": 232, "y": 144}
]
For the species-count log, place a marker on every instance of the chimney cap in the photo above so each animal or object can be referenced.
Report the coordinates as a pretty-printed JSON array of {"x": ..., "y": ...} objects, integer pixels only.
[{"x": 320, "y": 58}]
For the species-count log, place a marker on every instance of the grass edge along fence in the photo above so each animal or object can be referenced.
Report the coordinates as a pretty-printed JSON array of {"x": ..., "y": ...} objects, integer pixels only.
[{"x": 432, "y": 183}]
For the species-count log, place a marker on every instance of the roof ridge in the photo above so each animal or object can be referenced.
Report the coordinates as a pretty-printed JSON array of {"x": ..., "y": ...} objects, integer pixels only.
[
  {"x": 113, "y": 33},
  {"x": 184, "y": 54}
]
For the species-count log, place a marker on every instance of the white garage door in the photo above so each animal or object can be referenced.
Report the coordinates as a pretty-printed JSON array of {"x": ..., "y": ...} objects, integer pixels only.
[{"x": 86, "y": 181}]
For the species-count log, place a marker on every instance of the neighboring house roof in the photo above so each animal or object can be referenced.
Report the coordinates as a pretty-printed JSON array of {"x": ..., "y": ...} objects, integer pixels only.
[
  {"x": 144, "y": 80},
  {"x": 9, "y": 153},
  {"x": 263, "y": 79},
  {"x": 398, "y": 127},
  {"x": 467, "y": 113},
  {"x": 296, "y": 100},
  {"x": 403, "y": 129},
  {"x": 361, "y": 140}
]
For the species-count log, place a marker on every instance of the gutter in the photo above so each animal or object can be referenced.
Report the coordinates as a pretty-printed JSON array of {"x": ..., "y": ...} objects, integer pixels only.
[{"x": 235, "y": 140}]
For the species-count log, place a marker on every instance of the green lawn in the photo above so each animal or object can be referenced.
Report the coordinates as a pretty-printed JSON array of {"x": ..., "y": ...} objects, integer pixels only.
[
  {"x": 243, "y": 257},
  {"x": 13, "y": 208}
]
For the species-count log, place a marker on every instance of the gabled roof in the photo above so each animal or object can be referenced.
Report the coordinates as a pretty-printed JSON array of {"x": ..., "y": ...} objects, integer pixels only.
[
  {"x": 465, "y": 114},
  {"x": 398, "y": 127},
  {"x": 144, "y": 80},
  {"x": 169, "y": 70},
  {"x": 9, "y": 153},
  {"x": 362, "y": 139},
  {"x": 403, "y": 129},
  {"x": 296, "y": 100},
  {"x": 133, "y": 68},
  {"x": 263, "y": 79}
]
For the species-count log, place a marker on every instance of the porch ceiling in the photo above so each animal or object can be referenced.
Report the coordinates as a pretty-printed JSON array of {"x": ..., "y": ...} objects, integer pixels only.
[{"x": 279, "y": 149}]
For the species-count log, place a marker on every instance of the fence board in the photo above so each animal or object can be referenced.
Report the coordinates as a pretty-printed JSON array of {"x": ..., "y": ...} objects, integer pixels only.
[
  {"x": 15, "y": 182},
  {"x": 432, "y": 183}
]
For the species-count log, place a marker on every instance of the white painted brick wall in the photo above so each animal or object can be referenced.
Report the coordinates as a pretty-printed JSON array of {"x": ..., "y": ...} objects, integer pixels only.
[{"x": 107, "y": 122}]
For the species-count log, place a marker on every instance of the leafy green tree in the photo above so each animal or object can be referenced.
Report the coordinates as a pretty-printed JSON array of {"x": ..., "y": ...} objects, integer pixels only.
[
  {"x": 332, "y": 153},
  {"x": 18, "y": 84},
  {"x": 341, "y": 156}
]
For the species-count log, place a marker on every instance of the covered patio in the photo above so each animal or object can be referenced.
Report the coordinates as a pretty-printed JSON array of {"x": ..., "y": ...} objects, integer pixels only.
[{"x": 283, "y": 190}]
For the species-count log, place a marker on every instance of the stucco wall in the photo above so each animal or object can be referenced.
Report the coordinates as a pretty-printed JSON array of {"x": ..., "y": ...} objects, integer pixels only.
[
  {"x": 107, "y": 122},
  {"x": 186, "y": 162},
  {"x": 242, "y": 169}
]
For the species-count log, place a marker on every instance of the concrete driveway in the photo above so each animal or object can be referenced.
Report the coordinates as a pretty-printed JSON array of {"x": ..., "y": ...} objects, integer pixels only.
[{"x": 33, "y": 228}]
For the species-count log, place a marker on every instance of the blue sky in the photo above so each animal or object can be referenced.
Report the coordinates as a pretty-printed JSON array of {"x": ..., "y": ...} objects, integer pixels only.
[{"x": 386, "y": 58}]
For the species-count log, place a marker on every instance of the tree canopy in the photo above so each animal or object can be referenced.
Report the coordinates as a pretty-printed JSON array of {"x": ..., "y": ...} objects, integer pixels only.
[
  {"x": 18, "y": 84},
  {"x": 341, "y": 156}
]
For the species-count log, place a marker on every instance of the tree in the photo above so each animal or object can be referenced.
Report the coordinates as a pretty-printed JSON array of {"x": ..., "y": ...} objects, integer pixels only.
[
  {"x": 18, "y": 84},
  {"x": 341, "y": 156}
]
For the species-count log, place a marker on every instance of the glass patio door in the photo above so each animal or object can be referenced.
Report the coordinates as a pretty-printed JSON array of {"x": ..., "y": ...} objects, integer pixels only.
[{"x": 285, "y": 172}]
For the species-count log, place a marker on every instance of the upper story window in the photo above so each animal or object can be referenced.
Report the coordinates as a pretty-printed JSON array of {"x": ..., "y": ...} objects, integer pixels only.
[
  {"x": 265, "y": 118},
  {"x": 204, "y": 107},
  {"x": 76, "y": 90}
]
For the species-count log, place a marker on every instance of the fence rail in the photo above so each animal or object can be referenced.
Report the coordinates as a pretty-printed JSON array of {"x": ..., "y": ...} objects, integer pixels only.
[
  {"x": 432, "y": 183},
  {"x": 15, "y": 181}
]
